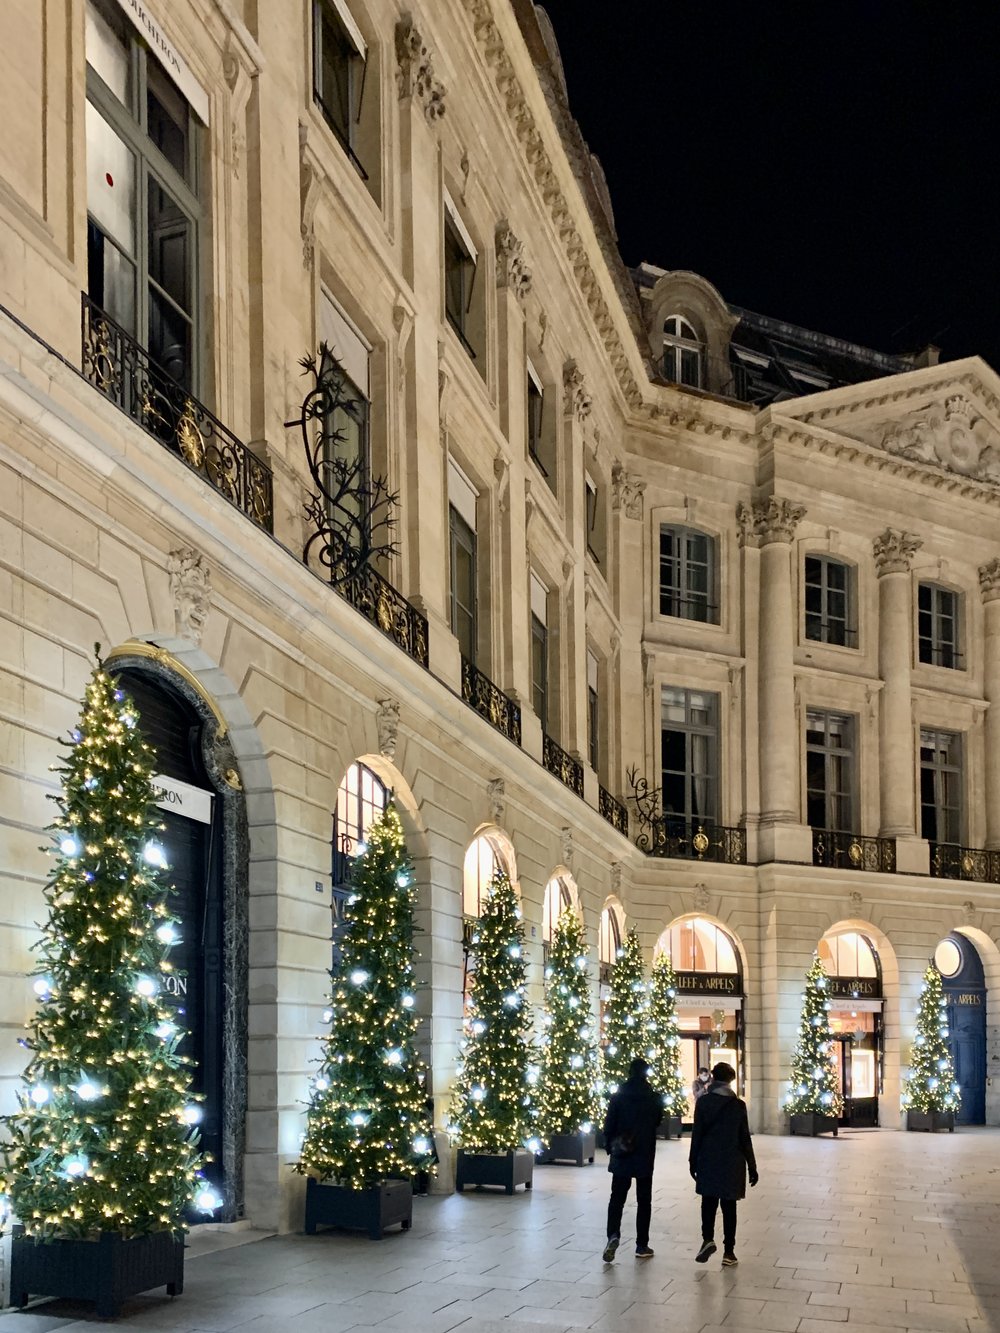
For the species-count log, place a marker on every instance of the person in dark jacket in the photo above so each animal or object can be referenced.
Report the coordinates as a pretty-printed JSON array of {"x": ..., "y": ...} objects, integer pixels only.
[
  {"x": 721, "y": 1155},
  {"x": 630, "y": 1138}
]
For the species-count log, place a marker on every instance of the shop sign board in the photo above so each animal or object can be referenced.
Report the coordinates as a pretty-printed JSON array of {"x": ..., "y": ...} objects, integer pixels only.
[
  {"x": 868, "y": 988},
  {"x": 965, "y": 997},
  {"x": 709, "y": 983},
  {"x": 180, "y": 798}
]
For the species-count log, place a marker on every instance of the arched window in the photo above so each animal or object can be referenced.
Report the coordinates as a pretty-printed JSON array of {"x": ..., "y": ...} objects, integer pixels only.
[
  {"x": 697, "y": 945},
  {"x": 483, "y": 859},
  {"x": 849, "y": 955},
  {"x": 558, "y": 896},
  {"x": 361, "y": 799},
  {"x": 683, "y": 352},
  {"x": 609, "y": 938}
]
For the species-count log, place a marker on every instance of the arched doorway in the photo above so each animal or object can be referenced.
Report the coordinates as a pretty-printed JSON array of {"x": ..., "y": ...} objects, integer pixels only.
[
  {"x": 710, "y": 996},
  {"x": 490, "y": 851},
  {"x": 961, "y": 968},
  {"x": 560, "y": 893},
  {"x": 855, "y": 989},
  {"x": 609, "y": 942},
  {"x": 205, "y": 841},
  {"x": 361, "y": 800}
]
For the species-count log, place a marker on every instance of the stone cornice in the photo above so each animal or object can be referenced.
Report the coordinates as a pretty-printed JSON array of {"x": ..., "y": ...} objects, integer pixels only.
[
  {"x": 529, "y": 135},
  {"x": 945, "y": 382}
]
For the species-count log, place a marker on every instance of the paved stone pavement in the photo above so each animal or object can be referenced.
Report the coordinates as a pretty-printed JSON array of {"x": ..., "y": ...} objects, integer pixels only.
[{"x": 875, "y": 1231}]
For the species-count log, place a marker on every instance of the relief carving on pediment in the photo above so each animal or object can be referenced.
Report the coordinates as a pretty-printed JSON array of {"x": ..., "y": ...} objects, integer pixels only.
[{"x": 952, "y": 435}]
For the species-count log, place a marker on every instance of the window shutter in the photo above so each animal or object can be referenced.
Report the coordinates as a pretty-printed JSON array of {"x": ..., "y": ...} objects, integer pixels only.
[{"x": 348, "y": 346}]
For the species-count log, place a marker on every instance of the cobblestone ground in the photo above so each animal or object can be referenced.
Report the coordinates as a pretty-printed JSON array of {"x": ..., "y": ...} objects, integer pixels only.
[{"x": 876, "y": 1231}]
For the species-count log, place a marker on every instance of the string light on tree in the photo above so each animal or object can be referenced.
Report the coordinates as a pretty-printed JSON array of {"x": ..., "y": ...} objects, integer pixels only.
[
  {"x": 567, "y": 1080},
  {"x": 930, "y": 1084},
  {"x": 624, "y": 1025},
  {"x": 491, "y": 1108},
  {"x": 366, "y": 1119},
  {"x": 813, "y": 1085},
  {"x": 663, "y": 1040},
  {"x": 100, "y": 1141}
]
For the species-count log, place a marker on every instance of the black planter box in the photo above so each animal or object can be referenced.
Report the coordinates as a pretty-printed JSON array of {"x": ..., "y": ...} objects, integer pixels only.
[
  {"x": 670, "y": 1127},
  {"x": 508, "y": 1169},
  {"x": 813, "y": 1123},
  {"x": 575, "y": 1148},
  {"x": 370, "y": 1210},
  {"x": 931, "y": 1121},
  {"x": 108, "y": 1270}
]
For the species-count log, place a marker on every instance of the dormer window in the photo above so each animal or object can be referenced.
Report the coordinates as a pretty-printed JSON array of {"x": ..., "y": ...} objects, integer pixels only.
[{"x": 683, "y": 352}]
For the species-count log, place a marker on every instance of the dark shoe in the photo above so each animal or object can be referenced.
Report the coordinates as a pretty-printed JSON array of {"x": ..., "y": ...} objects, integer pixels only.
[
  {"x": 643, "y": 1252},
  {"x": 729, "y": 1260},
  {"x": 708, "y": 1248},
  {"x": 609, "y": 1250}
]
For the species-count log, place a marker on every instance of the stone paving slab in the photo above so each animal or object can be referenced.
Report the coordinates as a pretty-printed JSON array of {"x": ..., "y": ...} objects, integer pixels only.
[{"x": 881, "y": 1232}]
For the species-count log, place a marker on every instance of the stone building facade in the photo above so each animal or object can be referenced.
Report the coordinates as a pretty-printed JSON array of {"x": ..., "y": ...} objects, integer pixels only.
[{"x": 649, "y": 547}]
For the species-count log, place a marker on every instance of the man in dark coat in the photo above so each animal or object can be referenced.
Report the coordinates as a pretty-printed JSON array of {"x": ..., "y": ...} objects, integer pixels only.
[
  {"x": 630, "y": 1138},
  {"x": 721, "y": 1155}
]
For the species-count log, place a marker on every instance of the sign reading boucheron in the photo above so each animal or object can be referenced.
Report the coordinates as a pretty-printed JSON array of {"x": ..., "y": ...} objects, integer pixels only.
[
  {"x": 709, "y": 983},
  {"x": 168, "y": 56}
]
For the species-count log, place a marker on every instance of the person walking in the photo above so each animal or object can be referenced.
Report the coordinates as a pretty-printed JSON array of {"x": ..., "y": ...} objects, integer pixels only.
[
  {"x": 720, "y": 1158},
  {"x": 630, "y": 1139},
  {"x": 701, "y": 1084}
]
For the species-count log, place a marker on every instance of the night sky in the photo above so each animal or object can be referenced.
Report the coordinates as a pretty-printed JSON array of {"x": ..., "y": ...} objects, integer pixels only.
[{"x": 833, "y": 163}]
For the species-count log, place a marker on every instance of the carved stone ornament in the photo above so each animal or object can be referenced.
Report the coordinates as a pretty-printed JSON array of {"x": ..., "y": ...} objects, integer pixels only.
[
  {"x": 191, "y": 589},
  {"x": 512, "y": 271},
  {"x": 989, "y": 580},
  {"x": 856, "y": 901},
  {"x": 616, "y": 878},
  {"x": 416, "y": 70},
  {"x": 495, "y": 794},
  {"x": 765, "y": 521},
  {"x": 387, "y": 722},
  {"x": 952, "y": 435},
  {"x": 701, "y": 898},
  {"x": 578, "y": 401},
  {"x": 968, "y": 913},
  {"x": 566, "y": 847},
  {"x": 894, "y": 551},
  {"x": 627, "y": 491}
]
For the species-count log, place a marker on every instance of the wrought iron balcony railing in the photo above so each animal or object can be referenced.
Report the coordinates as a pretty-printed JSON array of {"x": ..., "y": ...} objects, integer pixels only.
[
  {"x": 612, "y": 810},
  {"x": 479, "y": 692},
  {"x": 388, "y": 610},
  {"x": 949, "y": 861},
  {"x": 568, "y": 770},
  {"x": 851, "y": 851},
  {"x": 124, "y": 372},
  {"x": 694, "y": 841}
]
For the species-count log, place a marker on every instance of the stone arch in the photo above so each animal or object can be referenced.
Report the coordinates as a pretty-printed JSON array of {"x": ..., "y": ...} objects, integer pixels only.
[
  {"x": 612, "y": 905},
  {"x": 236, "y": 762},
  {"x": 989, "y": 953},
  {"x": 738, "y": 945},
  {"x": 562, "y": 877},
  {"x": 502, "y": 846},
  {"x": 407, "y": 805}
]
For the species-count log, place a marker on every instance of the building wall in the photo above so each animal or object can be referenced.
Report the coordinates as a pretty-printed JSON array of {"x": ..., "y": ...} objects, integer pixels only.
[{"x": 91, "y": 508}]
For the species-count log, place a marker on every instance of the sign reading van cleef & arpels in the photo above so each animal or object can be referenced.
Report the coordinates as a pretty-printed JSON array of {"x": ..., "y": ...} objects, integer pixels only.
[
  {"x": 709, "y": 983},
  {"x": 856, "y": 988}
]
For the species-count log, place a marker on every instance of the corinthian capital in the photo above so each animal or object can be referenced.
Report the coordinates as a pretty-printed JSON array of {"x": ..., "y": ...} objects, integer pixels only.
[
  {"x": 989, "y": 580},
  {"x": 577, "y": 399},
  {"x": 415, "y": 70},
  {"x": 894, "y": 551},
  {"x": 512, "y": 271},
  {"x": 765, "y": 521}
]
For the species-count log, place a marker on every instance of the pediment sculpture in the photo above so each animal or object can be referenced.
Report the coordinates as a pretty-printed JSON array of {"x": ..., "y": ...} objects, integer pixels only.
[{"x": 952, "y": 435}]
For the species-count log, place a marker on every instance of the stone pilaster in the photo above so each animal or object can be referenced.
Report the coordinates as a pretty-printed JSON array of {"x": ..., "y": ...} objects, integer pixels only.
[{"x": 989, "y": 586}]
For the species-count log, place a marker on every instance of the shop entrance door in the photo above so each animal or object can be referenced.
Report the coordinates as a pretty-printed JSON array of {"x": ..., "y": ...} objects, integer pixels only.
[
  {"x": 965, "y": 991},
  {"x": 856, "y": 1075}
]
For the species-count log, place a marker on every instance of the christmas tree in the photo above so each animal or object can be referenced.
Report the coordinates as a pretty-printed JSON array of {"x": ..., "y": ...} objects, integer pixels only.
[
  {"x": 567, "y": 1098},
  {"x": 931, "y": 1083},
  {"x": 366, "y": 1119},
  {"x": 624, "y": 1015},
  {"x": 813, "y": 1085},
  {"x": 105, "y": 1136},
  {"x": 663, "y": 1049},
  {"x": 492, "y": 1104}
]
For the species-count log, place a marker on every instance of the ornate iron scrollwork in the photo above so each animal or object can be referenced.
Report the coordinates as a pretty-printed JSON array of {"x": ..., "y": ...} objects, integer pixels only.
[
  {"x": 674, "y": 836},
  {"x": 568, "y": 770},
  {"x": 612, "y": 810}
]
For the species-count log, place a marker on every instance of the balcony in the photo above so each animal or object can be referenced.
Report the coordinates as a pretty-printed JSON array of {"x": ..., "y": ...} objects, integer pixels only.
[
  {"x": 568, "y": 770},
  {"x": 612, "y": 810},
  {"x": 114, "y": 363},
  {"x": 694, "y": 841},
  {"x": 388, "y": 610},
  {"x": 949, "y": 861},
  {"x": 851, "y": 851},
  {"x": 490, "y": 702}
]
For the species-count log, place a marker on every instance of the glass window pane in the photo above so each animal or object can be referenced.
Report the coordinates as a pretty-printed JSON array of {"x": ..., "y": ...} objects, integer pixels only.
[
  {"x": 110, "y": 181},
  {"x": 725, "y": 953},
  {"x": 167, "y": 118},
  {"x": 107, "y": 52},
  {"x": 334, "y": 72},
  {"x": 170, "y": 258},
  {"x": 110, "y": 277}
]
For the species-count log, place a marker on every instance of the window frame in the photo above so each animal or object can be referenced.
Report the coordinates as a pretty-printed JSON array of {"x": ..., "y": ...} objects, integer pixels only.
[
  {"x": 936, "y": 648},
  {"x": 681, "y": 351},
  {"x": 830, "y": 753},
  {"x": 681, "y": 598},
  {"x": 826, "y": 623},
  {"x": 952, "y": 814},
  {"x": 457, "y": 240},
  {"x": 339, "y": 17},
  {"x": 535, "y": 419},
  {"x": 677, "y": 821},
  {"x": 129, "y": 122},
  {"x": 540, "y": 686},
  {"x": 462, "y": 536}
]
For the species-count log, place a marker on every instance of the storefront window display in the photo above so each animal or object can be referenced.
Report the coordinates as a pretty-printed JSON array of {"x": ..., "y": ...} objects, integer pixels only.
[
  {"x": 485, "y": 856},
  {"x": 855, "y": 974},
  {"x": 609, "y": 941}
]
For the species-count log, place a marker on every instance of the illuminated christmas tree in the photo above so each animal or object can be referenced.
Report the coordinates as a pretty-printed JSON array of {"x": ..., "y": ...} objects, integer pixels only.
[
  {"x": 931, "y": 1083},
  {"x": 813, "y": 1085},
  {"x": 624, "y": 1015},
  {"x": 663, "y": 1048},
  {"x": 492, "y": 1105},
  {"x": 567, "y": 1097},
  {"x": 105, "y": 1136},
  {"x": 366, "y": 1120}
]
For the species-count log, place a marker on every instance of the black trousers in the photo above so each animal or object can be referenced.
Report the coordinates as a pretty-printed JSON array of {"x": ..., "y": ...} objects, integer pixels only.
[
  {"x": 643, "y": 1206},
  {"x": 708, "y": 1207}
]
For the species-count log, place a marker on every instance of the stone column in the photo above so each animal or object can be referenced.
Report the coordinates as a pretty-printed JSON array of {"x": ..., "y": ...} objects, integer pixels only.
[
  {"x": 770, "y": 524},
  {"x": 989, "y": 586},
  {"x": 894, "y": 553}
]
